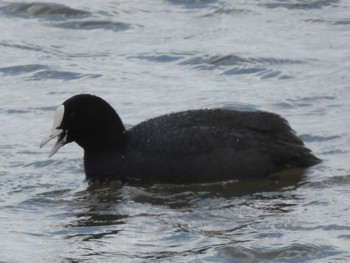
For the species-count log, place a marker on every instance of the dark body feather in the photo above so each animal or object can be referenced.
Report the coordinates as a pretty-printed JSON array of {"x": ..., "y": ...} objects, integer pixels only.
[{"x": 200, "y": 146}]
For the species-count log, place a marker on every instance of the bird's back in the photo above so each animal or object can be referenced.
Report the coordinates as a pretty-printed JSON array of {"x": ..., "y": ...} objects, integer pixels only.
[{"x": 218, "y": 144}]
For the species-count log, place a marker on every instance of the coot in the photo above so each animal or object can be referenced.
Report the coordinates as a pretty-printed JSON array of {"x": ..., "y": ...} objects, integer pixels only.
[{"x": 193, "y": 146}]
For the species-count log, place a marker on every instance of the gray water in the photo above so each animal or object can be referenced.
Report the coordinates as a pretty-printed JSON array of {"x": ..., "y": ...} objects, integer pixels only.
[{"x": 147, "y": 58}]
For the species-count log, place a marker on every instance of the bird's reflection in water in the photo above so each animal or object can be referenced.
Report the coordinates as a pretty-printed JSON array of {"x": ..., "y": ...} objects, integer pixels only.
[{"x": 103, "y": 209}]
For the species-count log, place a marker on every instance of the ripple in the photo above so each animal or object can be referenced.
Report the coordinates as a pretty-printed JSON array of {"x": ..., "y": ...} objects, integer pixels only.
[
  {"x": 223, "y": 10},
  {"x": 39, "y": 10},
  {"x": 62, "y": 75},
  {"x": 159, "y": 57},
  {"x": 41, "y": 164},
  {"x": 191, "y": 4},
  {"x": 231, "y": 64},
  {"x": 237, "y": 65},
  {"x": 231, "y": 59},
  {"x": 14, "y": 111},
  {"x": 318, "y": 138},
  {"x": 11, "y": 111},
  {"x": 22, "y": 69},
  {"x": 240, "y": 106},
  {"x": 94, "y": 24},
  {"x": 340, "y": 22},
  {"x": 340, "y": 180},
  {"x": 27, "y": 46},
  {"x": 345, "y": 21},
  {"x": 39, "y": 72},
  {"x": 300, "y": 4},
  {"x": 294, "y": 252},
  {"x": 304, "y": 101},
  {"x": 52, "y": 50}
]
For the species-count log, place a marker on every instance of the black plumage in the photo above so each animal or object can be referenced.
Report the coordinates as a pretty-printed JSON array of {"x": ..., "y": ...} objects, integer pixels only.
[{"x": 192, "y": 146}]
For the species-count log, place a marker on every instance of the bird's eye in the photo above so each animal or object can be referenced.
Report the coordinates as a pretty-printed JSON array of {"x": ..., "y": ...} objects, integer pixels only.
[{"x": 72, "y": 115}]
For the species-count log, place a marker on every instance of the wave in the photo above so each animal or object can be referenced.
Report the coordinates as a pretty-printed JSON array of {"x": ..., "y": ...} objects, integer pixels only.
[
  {"x": 40, "y": 10},
  {"x": 40, "y": 72}
]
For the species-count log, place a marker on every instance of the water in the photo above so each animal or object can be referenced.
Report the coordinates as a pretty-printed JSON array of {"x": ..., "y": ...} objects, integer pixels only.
[{"x": 154, "y": 57}]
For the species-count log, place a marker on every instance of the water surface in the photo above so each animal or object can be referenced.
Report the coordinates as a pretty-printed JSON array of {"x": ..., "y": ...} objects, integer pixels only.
[{"x": 154, "y": 57}]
